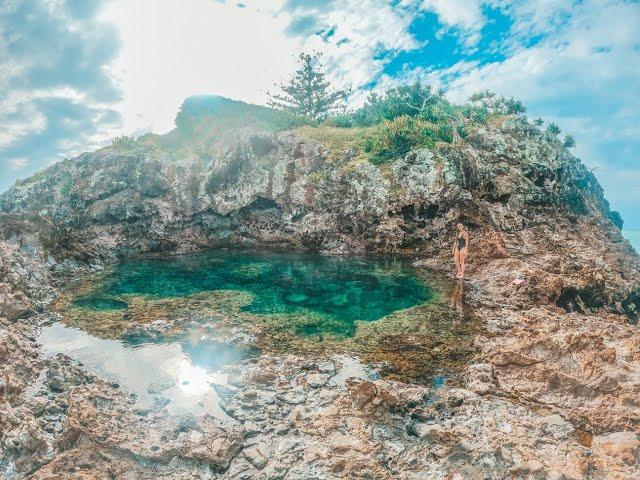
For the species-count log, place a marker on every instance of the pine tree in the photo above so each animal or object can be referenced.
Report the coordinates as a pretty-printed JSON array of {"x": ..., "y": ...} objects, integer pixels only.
[{"x": 308, "y": 93}]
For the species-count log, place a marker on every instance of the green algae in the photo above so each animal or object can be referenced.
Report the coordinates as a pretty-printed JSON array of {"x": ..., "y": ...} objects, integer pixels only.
[
  {"x": 341, "y": 290},
  {"x": 413, "y": 343}
]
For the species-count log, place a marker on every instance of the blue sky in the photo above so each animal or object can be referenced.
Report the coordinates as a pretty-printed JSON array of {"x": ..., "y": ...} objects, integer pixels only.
[{"x": 75, "y": 73}]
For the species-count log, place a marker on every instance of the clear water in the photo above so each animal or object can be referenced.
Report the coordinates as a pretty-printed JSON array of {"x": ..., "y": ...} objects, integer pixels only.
[
  {"x": 339, "y": 291},
  {"x": 180, "y": 374},
  {"x": 181, "y": 367}
]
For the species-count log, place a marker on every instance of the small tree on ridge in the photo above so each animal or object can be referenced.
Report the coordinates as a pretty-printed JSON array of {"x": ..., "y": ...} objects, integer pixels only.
[{"x": 308, "y": 92}]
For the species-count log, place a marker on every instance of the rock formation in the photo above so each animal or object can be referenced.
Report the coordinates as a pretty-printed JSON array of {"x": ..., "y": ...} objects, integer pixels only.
[{"x": 552, "y": 392}]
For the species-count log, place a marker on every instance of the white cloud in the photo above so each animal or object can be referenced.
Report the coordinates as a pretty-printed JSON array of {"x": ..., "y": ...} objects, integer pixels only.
[
  {"x": 463, "y": 17},
  {"x": 170, "y": 52},
  {"x": 19, "y": 118},
  {"x": 18, "y": 163},
  {"x": 538, "y": 17}
]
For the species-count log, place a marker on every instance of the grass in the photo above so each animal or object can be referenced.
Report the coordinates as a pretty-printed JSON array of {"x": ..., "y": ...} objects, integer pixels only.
[{"x": 337, "y": 139}]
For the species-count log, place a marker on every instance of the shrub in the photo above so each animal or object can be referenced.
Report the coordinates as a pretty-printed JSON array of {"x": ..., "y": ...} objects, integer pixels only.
[
  {"x": 65, "y": 187},
  {"x": 553, "y": 129},
  {"x": 393, "y": 139},
  {"x": 125, "y": 142},
  {"x": 410, "y": 100},
  {"x": 569, "y": 141},
  {"x": 497, "y": 105},
  {"x": 475, "y": 114}
]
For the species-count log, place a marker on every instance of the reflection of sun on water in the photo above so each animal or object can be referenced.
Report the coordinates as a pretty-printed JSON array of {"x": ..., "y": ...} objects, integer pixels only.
[{"x": 191, "y": 379}]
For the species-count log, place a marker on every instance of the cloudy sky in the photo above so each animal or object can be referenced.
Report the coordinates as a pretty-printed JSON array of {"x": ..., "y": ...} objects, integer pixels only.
[{"x": 75, "y": 73}]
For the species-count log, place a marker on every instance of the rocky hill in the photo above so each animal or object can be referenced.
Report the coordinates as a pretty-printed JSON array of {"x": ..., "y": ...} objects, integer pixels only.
[
  {"x": 521, "y": 193},
  {"x": 563, "y": 347}
]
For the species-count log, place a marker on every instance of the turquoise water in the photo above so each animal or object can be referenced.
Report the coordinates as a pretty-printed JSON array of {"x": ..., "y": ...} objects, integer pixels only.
[{"x": 336, "y": 291}]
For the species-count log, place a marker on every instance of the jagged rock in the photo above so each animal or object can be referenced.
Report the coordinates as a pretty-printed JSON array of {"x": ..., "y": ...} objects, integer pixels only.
[
  {"x": 256, "y": 456},
  {"x": 552, "y": 391}
]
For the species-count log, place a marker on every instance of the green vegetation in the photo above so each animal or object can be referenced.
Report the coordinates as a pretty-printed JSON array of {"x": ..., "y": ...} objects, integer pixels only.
[
  {"x": 337, "y": 140},
  {"x": 497, "y": 105},
  {"x": 125, "y": 142},
  {"x": 408, "y": 117},
  {"x": 553, "y": 130},
  {"x": 66, "y": 186},
  {"x": 308, "y": 93},
  {"x": 395, "y": 138},
  {"x": 388, "y": 126},
  {"x": 569, "y": 141},
  {"x": 414, "y": 100}
]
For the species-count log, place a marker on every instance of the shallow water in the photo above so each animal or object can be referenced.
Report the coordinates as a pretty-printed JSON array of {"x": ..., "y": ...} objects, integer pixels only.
[
  {"x": 150, "y": 324},
  {"x": 173, "y": 373},
  {"x": 179, "y": 375},
  {"x": 336, "y": 291},
  {"x": 160, "y": 326}
]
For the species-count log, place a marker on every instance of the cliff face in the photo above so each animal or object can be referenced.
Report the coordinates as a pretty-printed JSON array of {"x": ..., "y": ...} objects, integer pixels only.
[
  {"x": 552, "y": 391},
  {"x": 521, "y": 193}
]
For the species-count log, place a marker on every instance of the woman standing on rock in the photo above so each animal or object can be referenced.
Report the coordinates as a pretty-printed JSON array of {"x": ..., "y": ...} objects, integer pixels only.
[{"x": 460, "y": 249}]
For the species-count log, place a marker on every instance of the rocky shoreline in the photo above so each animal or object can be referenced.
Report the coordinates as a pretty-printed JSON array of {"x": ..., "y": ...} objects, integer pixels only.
[{"x": 551, "y": 392}]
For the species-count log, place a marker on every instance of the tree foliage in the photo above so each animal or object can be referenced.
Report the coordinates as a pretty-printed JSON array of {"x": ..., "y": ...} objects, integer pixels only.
[
  {"x": 498, "y": 105},
  {"x": 308, "y": 92},
  {"x": 569, "y": 141},
  {"x": 553, "y": 129},
  {"x": 393, "y": 139}
]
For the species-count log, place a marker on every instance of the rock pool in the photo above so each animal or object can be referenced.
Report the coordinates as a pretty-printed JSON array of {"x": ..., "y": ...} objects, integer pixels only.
[
  {"x": 170, "y": 330},
  {"x": 335, "y": 292}
]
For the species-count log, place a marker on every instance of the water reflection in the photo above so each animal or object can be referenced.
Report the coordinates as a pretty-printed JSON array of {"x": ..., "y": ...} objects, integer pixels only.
[
  {"x": 175, "y": 375},
  {"x": 457, "y": 298},
  {"x": 163, "y": 373}
]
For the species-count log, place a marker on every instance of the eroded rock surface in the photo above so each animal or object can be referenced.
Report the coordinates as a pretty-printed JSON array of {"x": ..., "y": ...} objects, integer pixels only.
[{"x": 551, "y": 392}]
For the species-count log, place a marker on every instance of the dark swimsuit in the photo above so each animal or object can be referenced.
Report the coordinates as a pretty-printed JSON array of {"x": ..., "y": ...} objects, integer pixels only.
[{"x": 462, "y": 243}]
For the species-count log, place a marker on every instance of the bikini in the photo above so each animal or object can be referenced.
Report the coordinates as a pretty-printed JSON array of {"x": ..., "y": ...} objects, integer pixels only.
[{"x": 462, "y": 243}]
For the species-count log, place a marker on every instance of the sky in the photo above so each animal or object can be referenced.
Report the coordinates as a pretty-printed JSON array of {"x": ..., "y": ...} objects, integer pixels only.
[{"x": 76, "y": 73}]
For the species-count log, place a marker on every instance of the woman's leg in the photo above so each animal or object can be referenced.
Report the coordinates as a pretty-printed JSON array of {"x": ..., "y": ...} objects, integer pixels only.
[
  {"x": 456, "y": 258},
  {"x": 463, "y": 259}
]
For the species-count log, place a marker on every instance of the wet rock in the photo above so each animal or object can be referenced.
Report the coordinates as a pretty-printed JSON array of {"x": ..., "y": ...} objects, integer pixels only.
[
  {"x": 256, "y": 456},
  {"x": 316, "y": 380},
  {"x": 552, "y": 390},
  {"x": 159, "y": 387}
]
